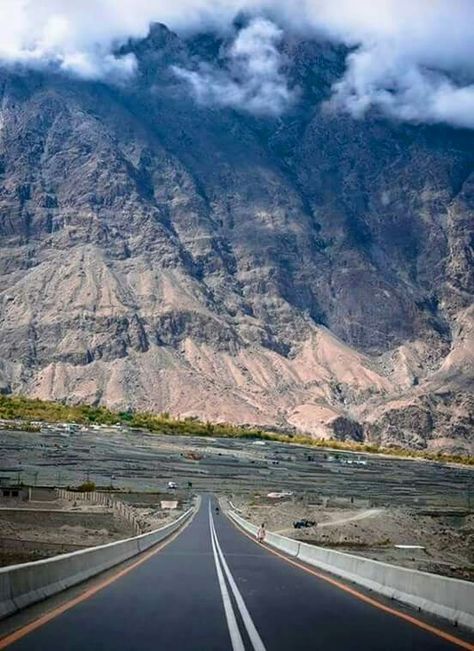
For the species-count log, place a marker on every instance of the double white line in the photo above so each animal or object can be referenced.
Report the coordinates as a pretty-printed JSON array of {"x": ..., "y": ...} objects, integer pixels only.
[{"x": 222, "y": 567}]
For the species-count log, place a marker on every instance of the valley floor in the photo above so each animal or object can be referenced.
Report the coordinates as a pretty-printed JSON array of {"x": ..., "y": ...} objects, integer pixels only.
[{"x": 364, "y": 504}]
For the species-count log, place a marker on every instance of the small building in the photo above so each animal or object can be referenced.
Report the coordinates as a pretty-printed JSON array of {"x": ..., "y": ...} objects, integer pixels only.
[{"x": 10, "y": 489}]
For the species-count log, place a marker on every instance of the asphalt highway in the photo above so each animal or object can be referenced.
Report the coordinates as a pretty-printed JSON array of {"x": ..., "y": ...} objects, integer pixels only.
[{"x": 214, "y": 589}]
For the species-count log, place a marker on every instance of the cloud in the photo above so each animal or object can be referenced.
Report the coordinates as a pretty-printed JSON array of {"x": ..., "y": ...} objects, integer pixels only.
[
  {"x": 404, "y": 91},
  {"x": 413, "y": 59},
  {"x": 77, "y": 38},
  {"x": 251, "y": 78}
]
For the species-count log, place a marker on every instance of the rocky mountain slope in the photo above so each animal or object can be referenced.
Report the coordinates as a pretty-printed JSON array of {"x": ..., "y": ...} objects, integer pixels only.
[{"x": 310, "y": 271}]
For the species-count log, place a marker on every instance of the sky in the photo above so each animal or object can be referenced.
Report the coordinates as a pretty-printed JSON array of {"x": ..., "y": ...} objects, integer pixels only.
[{"x": 413, "y": 59}]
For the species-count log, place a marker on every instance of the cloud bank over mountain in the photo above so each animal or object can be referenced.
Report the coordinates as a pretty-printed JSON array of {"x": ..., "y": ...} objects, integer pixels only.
[
  {"x": 412, "y": 60},
  {"x": 251, "y": 78}
]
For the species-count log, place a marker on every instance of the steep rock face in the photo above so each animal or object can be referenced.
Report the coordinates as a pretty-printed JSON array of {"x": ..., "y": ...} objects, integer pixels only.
[{"x": 312, "y": 272}]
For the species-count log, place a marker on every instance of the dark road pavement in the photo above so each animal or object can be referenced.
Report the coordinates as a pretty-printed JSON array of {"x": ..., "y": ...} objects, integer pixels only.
[{"x": 212, "y": 588}]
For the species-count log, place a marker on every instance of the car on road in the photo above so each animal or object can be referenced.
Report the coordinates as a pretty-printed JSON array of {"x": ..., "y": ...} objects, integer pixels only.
[{"x": 303, "y": 524}]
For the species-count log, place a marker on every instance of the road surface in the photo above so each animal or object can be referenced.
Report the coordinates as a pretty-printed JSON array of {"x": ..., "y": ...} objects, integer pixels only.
[{"x": 213, "y": 588}]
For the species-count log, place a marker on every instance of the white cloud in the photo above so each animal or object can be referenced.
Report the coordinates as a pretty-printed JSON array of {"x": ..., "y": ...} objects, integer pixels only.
[
  {"x": 414, "y": 59},
  {"x": 404, "y": 91},
  {"x": 77, "y": 37},
  {"x": 251, "y": 78}
]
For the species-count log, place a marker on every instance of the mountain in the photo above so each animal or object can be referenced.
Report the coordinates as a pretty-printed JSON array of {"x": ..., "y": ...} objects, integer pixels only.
[{"x": 309, "y": 271}]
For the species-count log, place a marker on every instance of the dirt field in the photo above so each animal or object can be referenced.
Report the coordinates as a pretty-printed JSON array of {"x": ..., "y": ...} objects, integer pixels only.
[{"x": 36, "y": 529}]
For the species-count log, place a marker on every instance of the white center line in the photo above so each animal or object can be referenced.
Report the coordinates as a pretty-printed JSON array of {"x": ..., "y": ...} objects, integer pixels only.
[
  {"x": 235, "y": 637},
  {"x": 253, "y": 634}
]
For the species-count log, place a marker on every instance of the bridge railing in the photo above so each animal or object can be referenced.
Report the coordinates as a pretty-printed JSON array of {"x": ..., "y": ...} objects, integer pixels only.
[{"x": 443, "y": 596}]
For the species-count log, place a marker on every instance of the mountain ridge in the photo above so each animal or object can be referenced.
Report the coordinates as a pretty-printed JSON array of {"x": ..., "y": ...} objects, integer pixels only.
[{"x": 292, "y": 271}]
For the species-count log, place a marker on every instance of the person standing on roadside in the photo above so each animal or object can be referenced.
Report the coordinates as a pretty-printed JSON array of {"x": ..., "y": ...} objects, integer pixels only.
[{"x": 261, "y": 533}]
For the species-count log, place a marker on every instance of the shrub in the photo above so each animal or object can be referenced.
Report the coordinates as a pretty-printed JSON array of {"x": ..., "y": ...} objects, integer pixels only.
[{"x": 86, "y": 487}]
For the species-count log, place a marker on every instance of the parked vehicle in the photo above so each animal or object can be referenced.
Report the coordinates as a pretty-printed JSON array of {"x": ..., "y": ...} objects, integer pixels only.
[
  {"x": 172, "y": 485},
  {"x": 302, "y": 524}
]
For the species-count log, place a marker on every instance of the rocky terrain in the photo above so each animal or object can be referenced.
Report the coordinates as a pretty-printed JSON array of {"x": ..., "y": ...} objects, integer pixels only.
[{"x": 310, "y": 271}]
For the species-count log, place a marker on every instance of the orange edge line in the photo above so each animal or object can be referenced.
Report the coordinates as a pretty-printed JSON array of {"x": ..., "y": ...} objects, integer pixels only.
[
  {"x": 59, "y": 610},
  {"x": 359, "y": 595}
]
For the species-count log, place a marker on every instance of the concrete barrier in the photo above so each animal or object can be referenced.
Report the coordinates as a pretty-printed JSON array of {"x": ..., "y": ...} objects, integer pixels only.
[
  {"x": 286, "y": 545},
  {"x": 27, "y": 583},
  {"x": 452, "y": 599}
]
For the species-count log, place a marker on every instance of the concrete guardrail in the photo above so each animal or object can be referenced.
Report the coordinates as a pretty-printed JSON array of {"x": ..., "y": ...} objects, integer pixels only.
[
  {"x": 452, "y": 599},
  {"x": 27, "y": 583}
]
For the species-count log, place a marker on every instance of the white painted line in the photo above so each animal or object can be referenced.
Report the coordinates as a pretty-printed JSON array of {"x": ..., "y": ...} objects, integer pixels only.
[
  {"x": 235, "y": 637},
  {"x": 247, "y": 619}
]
